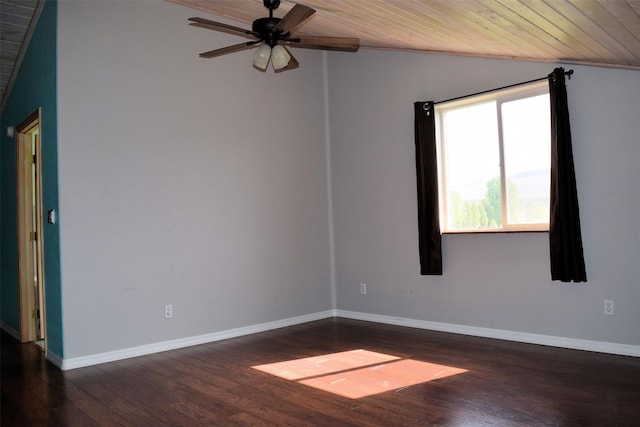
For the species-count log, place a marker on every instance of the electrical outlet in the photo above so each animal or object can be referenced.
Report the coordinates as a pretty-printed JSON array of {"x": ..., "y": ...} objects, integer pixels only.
[
  {"x": 168, "y": 311},
  {"x": 363, "y": 288},
  {"x": 608, "y": 307}
]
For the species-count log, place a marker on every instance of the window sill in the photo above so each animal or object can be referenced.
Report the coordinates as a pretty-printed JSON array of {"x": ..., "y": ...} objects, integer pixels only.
[{"x": 444, "y": 233}]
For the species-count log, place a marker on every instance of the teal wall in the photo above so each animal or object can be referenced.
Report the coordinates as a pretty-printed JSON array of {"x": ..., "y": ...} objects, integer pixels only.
[{"x": 35, "y": 86}]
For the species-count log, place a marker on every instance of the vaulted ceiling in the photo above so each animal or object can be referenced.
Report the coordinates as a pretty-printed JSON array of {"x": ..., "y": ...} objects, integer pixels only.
[{"x": 591, "y": 32}]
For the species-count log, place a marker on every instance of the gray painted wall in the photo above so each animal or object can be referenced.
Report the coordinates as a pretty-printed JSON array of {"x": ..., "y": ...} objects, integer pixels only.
[
  {"x": 203, "y": 184},
  {"x": 184, "y": 181},
  {"x": 499, "y": 281}
]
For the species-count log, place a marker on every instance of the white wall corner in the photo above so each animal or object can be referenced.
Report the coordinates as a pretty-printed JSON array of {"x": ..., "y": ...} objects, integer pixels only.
[{"x": 327, "y": 133}]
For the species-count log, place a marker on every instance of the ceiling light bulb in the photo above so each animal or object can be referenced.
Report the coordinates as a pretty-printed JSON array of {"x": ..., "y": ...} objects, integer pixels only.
[
  {"x": 261, "y": 57},
  {"x": 280, "y": 58}
]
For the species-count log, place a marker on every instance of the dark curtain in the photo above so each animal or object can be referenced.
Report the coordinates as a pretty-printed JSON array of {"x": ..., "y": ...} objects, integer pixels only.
[
  {"x": 565, "y": 239},
  {"x": 429, "y": 237}
]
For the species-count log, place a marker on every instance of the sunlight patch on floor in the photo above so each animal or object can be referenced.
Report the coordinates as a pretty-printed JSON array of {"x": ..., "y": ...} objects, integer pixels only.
[{"x": 358, "y": 373}]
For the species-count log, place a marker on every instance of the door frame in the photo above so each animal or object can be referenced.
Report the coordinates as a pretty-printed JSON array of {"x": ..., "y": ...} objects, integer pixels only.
[{"x": 30, "y": 258}]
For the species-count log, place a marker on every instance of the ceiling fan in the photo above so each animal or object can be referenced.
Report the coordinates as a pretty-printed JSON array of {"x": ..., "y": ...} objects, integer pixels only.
[{"x": 272, "y": 36}]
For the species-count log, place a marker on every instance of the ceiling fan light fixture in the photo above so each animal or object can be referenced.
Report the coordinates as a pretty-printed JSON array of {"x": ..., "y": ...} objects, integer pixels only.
[
  {"x": 270, "y": 35},
  {"x": 280, "y": 57},
  {"x": 261, "y": 57}
]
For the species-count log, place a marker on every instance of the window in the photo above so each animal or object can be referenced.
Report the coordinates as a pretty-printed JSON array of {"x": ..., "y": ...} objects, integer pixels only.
[{"x": 494, "y": 154}]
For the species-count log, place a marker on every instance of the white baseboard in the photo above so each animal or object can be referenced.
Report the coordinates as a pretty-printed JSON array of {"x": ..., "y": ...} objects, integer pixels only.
[
  {"x": 111, "y": 356},
  {"x": 549, "y": 340},
  {"x": 51, "y": 357},
  {"x": 11, "y": 331},
  {"x": 54, "y": 359},
  {"x": 553, "y": 341}
]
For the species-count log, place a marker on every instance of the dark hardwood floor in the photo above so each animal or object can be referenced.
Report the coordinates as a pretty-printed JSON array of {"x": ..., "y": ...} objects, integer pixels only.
[{"x": 505, "y": 384}]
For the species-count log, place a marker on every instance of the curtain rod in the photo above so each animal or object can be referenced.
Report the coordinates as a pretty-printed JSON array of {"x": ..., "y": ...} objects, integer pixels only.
[{"x": 566, "y": 73}]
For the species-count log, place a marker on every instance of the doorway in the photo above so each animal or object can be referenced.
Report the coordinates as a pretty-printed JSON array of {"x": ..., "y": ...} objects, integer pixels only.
[{"x": 30, "y": 235}]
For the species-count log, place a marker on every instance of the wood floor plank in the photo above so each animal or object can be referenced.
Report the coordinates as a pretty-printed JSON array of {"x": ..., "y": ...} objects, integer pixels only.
[
  {"x": 101, "y": 413},
  {"x": 500, "y": 383},
  {"x": 92, "y": 384},
  {"x": 185, "y": 400}
]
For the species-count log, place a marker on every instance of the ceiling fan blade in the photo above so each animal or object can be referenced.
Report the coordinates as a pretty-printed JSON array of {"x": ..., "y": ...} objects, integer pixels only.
[
  {"x": 293, "y": 63},
  {"x": 345, "y": 44},
  {"x": 219, "y": 26},
  {"x": 229, "y": 49},
  {"x": 296, "y": 16}
]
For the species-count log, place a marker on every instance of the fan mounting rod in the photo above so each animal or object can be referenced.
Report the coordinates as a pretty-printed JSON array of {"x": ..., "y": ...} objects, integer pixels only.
[{"x": 271, "y": 5}]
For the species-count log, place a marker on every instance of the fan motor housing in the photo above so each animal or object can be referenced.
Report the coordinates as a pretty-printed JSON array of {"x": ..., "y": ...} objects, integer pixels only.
[{"x": 264, "y": 27}]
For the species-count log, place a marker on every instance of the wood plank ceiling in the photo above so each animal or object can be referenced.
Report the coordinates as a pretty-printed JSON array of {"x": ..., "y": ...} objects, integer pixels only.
[
  {"x": 15, "y": 20},
  {"x": 592, "y": 32}
]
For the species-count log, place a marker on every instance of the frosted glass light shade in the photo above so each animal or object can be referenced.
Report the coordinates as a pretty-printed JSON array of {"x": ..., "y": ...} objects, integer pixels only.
[
  {"x": 261, "y": 57},
  {"x": 280, "y": 57}
]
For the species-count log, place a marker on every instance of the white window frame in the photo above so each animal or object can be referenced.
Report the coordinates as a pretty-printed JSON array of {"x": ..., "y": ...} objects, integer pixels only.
[{"x": 499, "y": 96}]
